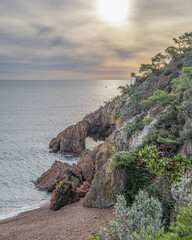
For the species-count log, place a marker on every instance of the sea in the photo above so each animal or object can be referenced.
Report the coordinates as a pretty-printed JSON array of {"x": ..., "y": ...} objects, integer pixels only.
[{"x": 31, "y": 114}]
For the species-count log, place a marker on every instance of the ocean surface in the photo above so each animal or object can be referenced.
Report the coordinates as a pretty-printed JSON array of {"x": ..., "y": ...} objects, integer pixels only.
[{"x": 31, "y": 114}]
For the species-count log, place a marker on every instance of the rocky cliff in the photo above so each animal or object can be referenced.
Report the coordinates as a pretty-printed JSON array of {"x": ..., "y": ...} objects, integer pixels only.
[{"x": 124, "y": 124}]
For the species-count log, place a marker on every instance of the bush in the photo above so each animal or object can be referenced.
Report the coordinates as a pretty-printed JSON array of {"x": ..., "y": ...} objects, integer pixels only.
[
  {"x": 182, "y": 190},
  {"x": 147, "y": 120},
  {"x": 161, "y": 189},
  {"x": 158, "y": 165},
  {"x": 183, "y": 226},
  {"x": 166, "y": 140},
  {"x": 136, "y": 125},
  {"x": 159, "y": 98},
  {"x": 137, "y": 177},
  {"x": 124, "y": 89},
  {"x": 185, "y": 80},
  {"x": 145, "y": 211},
  {"x": 94, "y": 238},
  {"x": 181, "y": 230}
]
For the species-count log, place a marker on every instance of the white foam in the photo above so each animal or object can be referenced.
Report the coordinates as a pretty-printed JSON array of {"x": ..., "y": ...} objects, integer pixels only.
[{"x": 15, "y": 213}]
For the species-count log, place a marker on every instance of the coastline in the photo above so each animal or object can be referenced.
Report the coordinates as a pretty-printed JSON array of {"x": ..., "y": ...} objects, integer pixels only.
[
  {"x": 66, "y": 224},
  {"x": 21, "y": 210}
]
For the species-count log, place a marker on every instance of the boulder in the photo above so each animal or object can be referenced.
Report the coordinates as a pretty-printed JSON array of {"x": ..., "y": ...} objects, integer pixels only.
[
  {"x": 86, "y": 164},
  {"x": 63, "y": 195},
  {"x": 83, "y": 189},
  {"x": 58, "y": 172},
  {"x": 106, "y": 185}
]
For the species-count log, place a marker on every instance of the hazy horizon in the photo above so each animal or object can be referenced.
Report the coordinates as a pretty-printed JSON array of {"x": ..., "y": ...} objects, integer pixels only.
[{"x": 76, "y": 40}]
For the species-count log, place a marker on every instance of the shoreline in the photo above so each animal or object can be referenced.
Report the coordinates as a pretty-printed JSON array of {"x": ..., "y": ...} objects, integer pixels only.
[
  {"x": 71, "y": 222},
  {"x": 23, "y": 210}
]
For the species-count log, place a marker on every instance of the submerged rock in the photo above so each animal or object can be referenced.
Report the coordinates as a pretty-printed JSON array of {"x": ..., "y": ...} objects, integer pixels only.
[
  {"x": 63, "y": 195},
  {"x": 60, "y": 172}
]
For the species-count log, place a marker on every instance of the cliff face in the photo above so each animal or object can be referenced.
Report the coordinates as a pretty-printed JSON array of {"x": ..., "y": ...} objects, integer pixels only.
[
  {"x": 121, "y": 125},
  {"x": 98, "y": 125}
]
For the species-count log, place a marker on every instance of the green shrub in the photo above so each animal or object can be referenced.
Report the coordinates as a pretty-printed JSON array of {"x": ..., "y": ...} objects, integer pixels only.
[
  {"x": 147, "y": 120},
  {"x": 124, "y": 89},
  {"x": 185, "y": 80},
  {"x": 166, "y": 140},
  {"x": 136, "y": 125},
  {"x": 146, "y": 211},
  {"x": 180, "y": 230},
  {"x": 183, "y": 225},
  {"x": 94, "y": 238},
  {"x": 159, "y": 98},
  {"x": 161, "y": 188},
  {"x": 182, "y": 190},
  {"x": 137, "y": 177},
  {"x": 158, "y": 165},
  {"x": 167, "y": 129},
  {"x": 187, "y": 61},
  {"x": 124, "y": 159}
]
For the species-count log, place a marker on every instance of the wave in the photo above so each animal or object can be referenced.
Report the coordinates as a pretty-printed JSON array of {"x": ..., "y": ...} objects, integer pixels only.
[{"x": 13, "y": 213}]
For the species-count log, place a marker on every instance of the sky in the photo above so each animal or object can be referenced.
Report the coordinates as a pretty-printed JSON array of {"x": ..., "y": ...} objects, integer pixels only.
[{"x": 72, "y": 40}]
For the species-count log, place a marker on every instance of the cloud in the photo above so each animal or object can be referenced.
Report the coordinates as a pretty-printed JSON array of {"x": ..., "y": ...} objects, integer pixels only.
[{"x": 66, "y": 39}]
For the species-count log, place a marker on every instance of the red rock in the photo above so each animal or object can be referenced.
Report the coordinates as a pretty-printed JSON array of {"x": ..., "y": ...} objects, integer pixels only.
[
  {"x": 58, "y": 172},
  {"x": 96, "y": 125},
  {"x": 63, "y": 195},
  {"x": 90, "y": 162},
  {"x": 86, "y": 164},
  {"x": 83, "y": 189}
]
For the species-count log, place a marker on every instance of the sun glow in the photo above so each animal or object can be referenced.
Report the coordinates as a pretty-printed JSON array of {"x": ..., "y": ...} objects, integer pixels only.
[{"x": 113, "y": 10}]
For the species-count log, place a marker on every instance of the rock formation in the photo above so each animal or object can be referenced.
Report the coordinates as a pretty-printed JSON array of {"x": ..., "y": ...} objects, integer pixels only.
[
  {"x": 98, "y": 125},
  {"x": 105, "y": 186},
  {"x": 63, "y": 195},
  {"x": 60, "y": 172},
  {"x": 120, "y": 124},
  {"x": 83, "y": 189}
]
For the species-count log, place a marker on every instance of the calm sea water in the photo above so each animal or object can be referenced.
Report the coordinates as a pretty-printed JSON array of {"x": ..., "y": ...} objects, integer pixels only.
[{"x": 31, "y": 114}]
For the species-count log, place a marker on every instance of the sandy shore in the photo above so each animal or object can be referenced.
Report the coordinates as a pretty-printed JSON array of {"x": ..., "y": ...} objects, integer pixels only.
[{"x": 73, "y": 222}]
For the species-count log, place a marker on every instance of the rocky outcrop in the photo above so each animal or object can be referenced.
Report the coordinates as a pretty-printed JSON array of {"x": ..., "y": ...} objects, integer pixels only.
[
  {"x": 106, "y": 185},
  {"x": 98, "y": 125},
  {"x": 94, "y": 168},
  {"x": 93, "y": 161},
  {"x": 60, "y": 172},
  {"x": 63, "y": 195},
  {"x": 109, "y": 180},
  {"x": 83, "y": 189},
  {"x": 87, "y": 165},
  {"x": 118, "y": 126}
]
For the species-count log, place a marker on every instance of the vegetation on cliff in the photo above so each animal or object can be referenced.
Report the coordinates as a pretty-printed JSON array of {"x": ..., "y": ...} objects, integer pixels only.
[
  {"x": 158, "y": 109},
  {"x": 146, "y": 153}
]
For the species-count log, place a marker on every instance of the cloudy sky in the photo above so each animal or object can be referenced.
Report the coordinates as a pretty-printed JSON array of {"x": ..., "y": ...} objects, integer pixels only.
[{"x": 71, "y": 39}]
